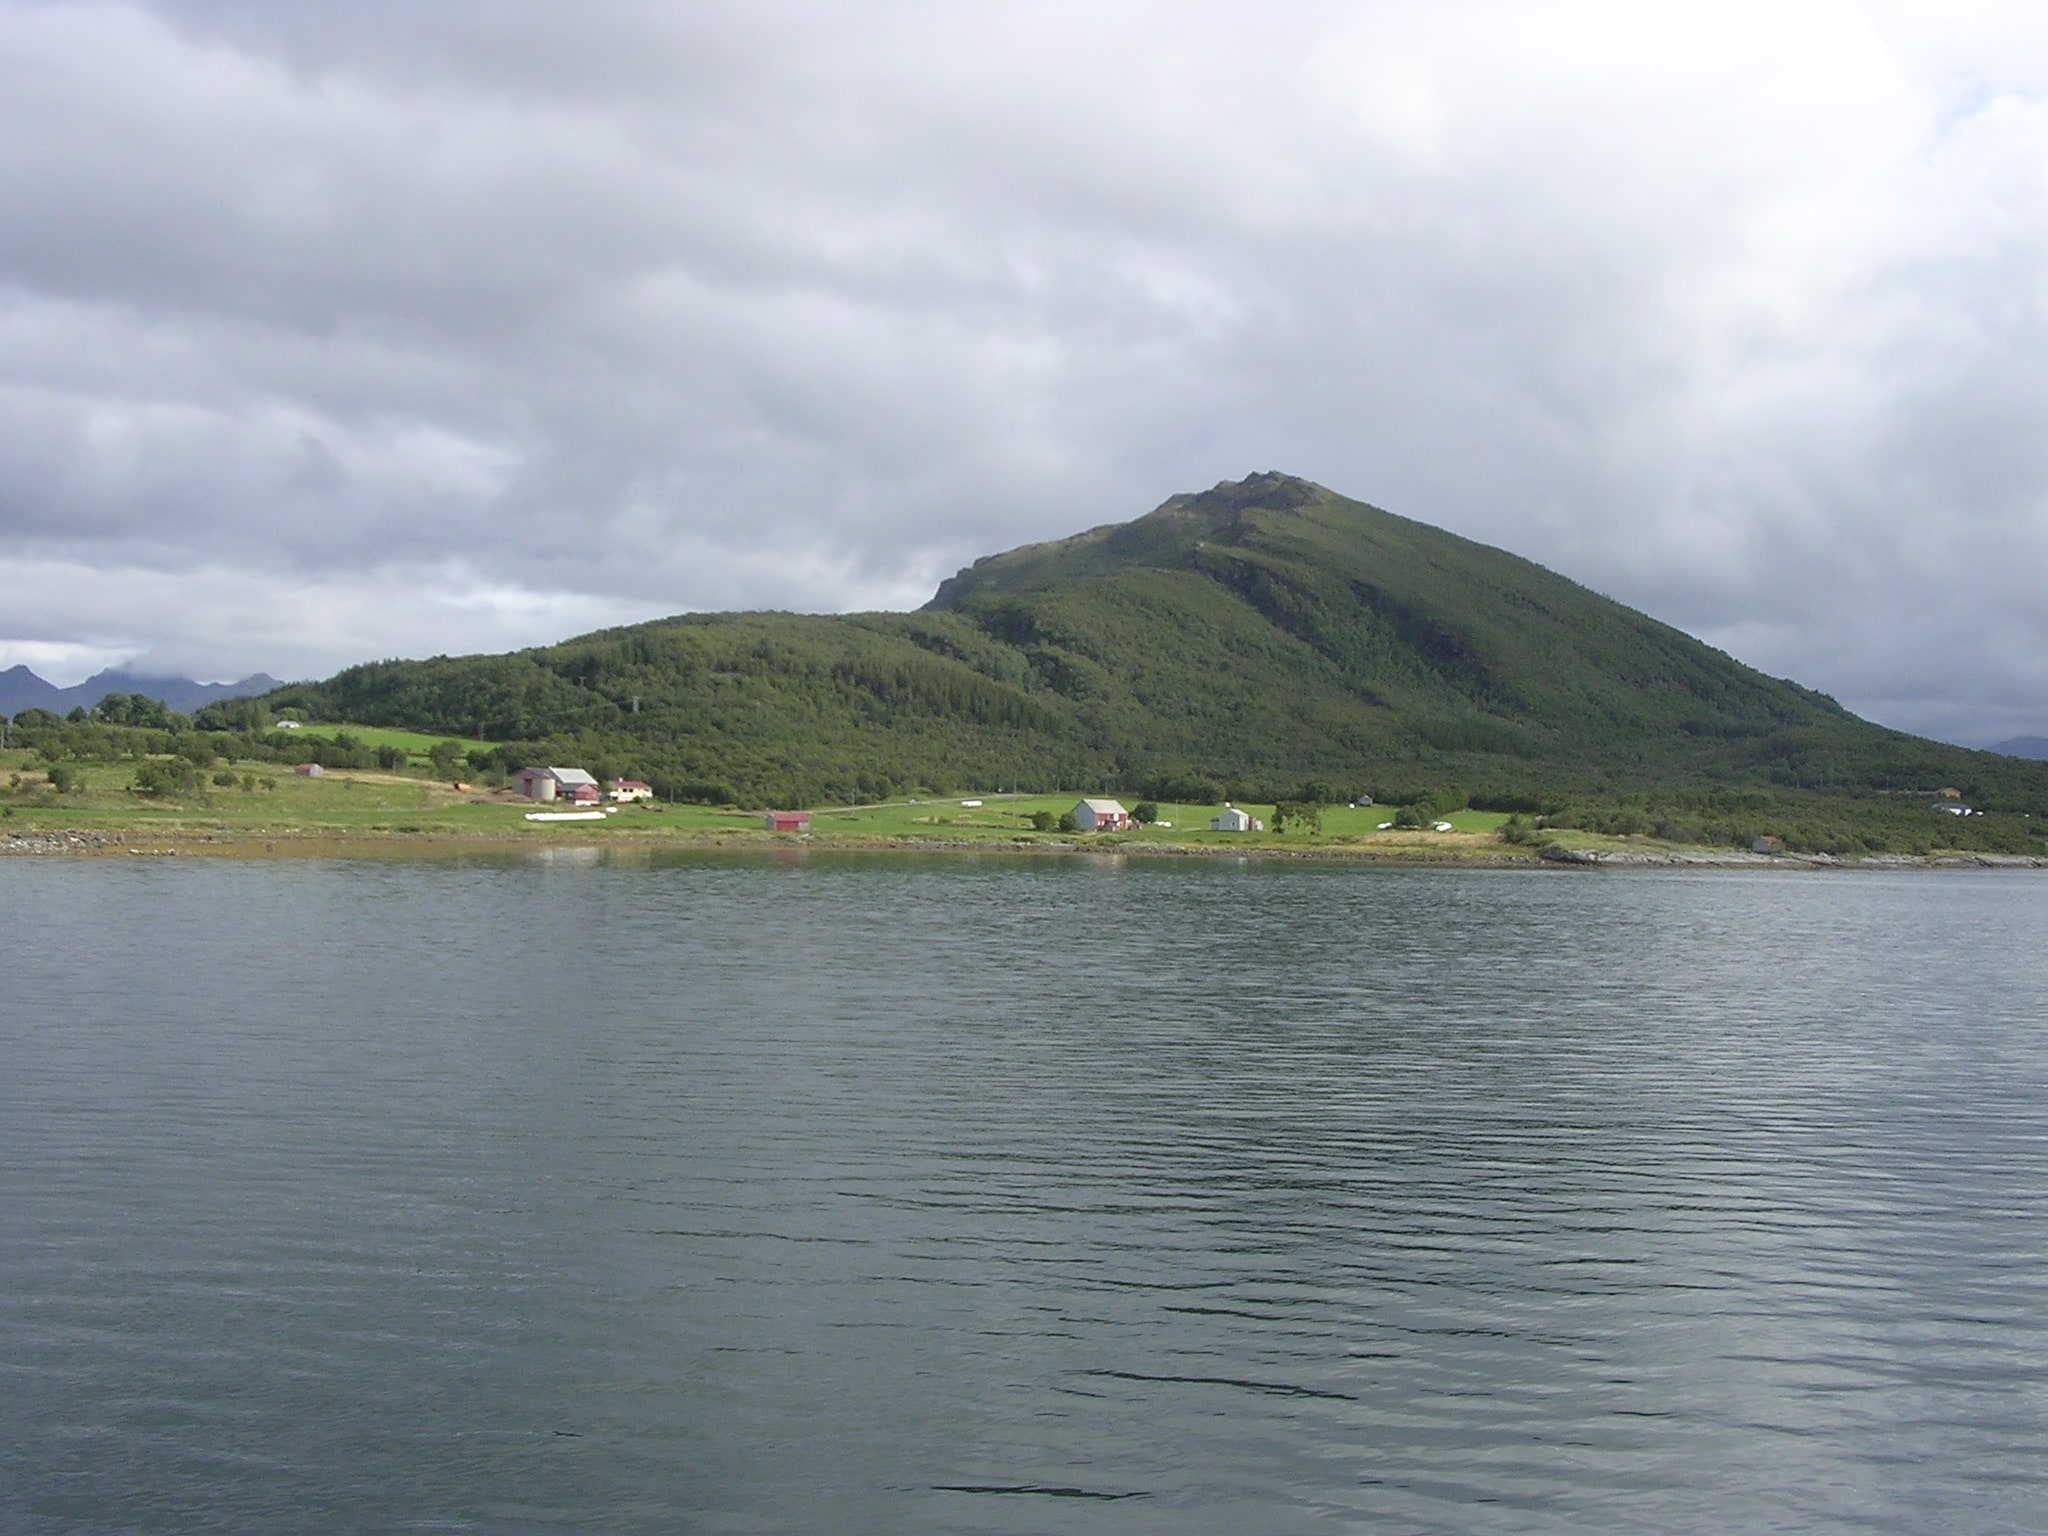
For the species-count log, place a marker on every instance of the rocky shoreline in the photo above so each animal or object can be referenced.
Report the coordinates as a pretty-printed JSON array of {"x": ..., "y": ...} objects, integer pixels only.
[
  {"x": 319, "y": 843},
  {"x": 58, "y": 842},
  {"x": 1735, "y": 858}
]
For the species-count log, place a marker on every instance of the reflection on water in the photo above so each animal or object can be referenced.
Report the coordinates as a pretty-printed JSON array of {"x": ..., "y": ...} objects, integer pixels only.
[
  {"x": 1044, "y": 1194},
  {"x": 571, "y": 856}
]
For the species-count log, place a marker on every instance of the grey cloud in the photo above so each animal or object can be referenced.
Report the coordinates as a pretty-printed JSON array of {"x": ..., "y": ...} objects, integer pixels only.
[{"x": 470, "y": 324}]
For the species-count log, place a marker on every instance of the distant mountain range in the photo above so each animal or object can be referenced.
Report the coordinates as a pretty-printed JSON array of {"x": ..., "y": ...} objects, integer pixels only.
[
  {"x": 21, "y": 689},
  {"x": 2035, "y": 747}
]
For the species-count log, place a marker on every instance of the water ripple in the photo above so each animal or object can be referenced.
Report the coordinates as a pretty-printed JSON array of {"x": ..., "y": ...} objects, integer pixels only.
[{"x": 716, "y": 1194}]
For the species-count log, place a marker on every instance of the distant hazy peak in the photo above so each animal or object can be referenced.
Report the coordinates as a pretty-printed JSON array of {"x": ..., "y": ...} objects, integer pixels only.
[{"x": 21, "y": 689}]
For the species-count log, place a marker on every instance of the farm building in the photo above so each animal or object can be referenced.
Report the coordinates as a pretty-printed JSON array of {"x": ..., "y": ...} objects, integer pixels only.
[
  {"x": 624, "y": 790},
  {"x": 1767, "y": 845},
  {"x": 308, "y": 770},
  {"x": 787, "y": 821},
  {"x": 550, "y": 784},
  {"x": 1232, "y": 820},
  {"x": 1101, "y": 816}
]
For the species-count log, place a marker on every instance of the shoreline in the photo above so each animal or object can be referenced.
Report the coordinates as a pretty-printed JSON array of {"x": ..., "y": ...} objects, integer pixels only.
[{"x": 309, "y": 842}]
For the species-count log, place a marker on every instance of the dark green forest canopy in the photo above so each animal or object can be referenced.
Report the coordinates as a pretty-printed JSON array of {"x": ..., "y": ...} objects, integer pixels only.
[{"x": 1257, "y": 637}]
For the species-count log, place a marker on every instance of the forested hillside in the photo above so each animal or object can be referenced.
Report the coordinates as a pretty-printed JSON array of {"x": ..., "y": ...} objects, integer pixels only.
[{"x": 1268, "y": 637}]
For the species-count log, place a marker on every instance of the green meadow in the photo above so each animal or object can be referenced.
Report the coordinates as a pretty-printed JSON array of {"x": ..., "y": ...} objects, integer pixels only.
[
  {"x": 1010, "y": 816},
  {"x": 251, "y": 803},
  {"x": 416, "y": 744},
  {"x": 256, "y": 800}
]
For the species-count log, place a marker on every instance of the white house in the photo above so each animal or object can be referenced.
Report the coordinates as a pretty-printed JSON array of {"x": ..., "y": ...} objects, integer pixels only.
[
  {"x": 624, "y": 790},
  {"x": 1101, "y": 816},
  {"x": 1232, "y": 820}
]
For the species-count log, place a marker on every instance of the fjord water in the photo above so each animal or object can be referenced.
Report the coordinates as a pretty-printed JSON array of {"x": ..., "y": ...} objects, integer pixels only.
[{"x": 1046, "y": 1194}]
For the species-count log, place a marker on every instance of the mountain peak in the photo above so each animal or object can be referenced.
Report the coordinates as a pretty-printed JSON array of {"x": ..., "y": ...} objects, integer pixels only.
[
  {"x": 1269, "y": 491},
  {"x": 1162, "y": 537},
  {"x": 1263, "y": 632},
  {"x": 21, "y": 689}
]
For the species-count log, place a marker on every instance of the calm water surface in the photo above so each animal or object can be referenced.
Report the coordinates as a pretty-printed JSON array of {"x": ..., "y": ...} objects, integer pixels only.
[{"x": 1039, "y": 1195}]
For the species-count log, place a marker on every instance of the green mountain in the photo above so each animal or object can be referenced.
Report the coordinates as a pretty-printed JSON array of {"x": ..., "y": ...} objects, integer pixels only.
[{"x": 1263, "y": 636}]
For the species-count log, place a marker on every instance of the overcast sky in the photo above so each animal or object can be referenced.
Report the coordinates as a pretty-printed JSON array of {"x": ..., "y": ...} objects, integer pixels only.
[{"x": 344, "y": 331}]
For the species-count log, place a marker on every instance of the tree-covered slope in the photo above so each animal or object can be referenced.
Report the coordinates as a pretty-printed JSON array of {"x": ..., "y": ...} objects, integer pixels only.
[
  {"x": 1258, "y": 635},
  {"x": 1435, "y": 641}
]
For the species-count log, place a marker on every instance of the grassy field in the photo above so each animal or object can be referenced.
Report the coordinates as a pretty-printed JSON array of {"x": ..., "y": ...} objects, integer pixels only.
[
  {"x": 1006, "y": 816},
  {"x": 265, "y": 807},
  {"x": 268, "y": 801},
  {"x": 413, "y": 743}
]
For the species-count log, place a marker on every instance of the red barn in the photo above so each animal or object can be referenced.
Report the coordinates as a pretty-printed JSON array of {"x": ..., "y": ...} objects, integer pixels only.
[
  {"x": 787, "y": 821},
  {"x": 1101, "y": 816}
]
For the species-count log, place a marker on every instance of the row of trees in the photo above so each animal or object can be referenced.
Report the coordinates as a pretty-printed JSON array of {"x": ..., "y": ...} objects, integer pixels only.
[
  {"x": 138, "y": 711},
  {"x": 188, "y": 746}
]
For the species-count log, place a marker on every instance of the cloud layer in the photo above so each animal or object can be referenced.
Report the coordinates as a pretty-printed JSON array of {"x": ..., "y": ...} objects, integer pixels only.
[{"x": 330, "y": 333}]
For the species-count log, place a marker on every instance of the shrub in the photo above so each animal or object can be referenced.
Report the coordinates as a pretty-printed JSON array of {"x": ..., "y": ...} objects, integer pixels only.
[
  {"x": 1445, "y": 800},
  {"x": 1144, "y": 813},
  {"x": 163, "y": 776},
  {"x": 1067, "y": 822},
  {"x": 233, "y": 715},
  {"x": 1307, "y": 816},
  {"x": 138, "y": 710},
  {"x": 696, "y": 791},
  {"x": 1045, "y": 821}
]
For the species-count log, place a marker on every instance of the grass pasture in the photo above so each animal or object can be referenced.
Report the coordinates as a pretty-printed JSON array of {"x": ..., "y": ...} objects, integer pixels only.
[
  {"x": 415, "y": 744},
  {"x": 269, "y": 801},
  {"x": 1008, "y": 817},
  {"x": 255, "y": 804},
  {"x": 250, "y": 800}
]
